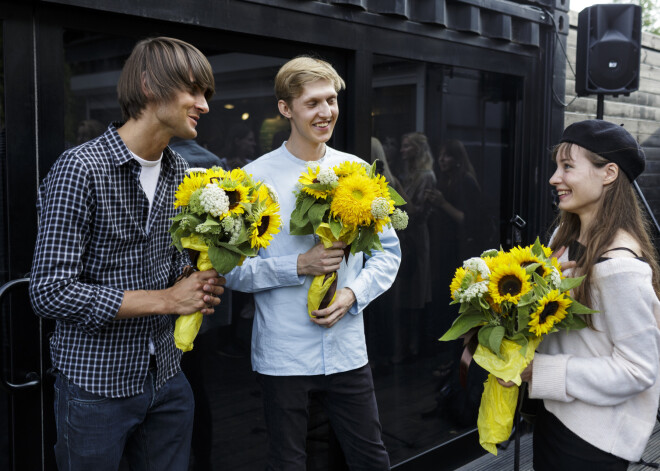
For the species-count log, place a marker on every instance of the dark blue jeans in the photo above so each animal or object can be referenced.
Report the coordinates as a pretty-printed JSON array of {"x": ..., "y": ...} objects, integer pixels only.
[
  {"x": 350, "y": 403},
  {"x": 153, "y": 428}
]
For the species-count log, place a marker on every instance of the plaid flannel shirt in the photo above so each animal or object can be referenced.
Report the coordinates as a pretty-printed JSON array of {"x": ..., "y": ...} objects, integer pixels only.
[{"x": 92, "y": 246}]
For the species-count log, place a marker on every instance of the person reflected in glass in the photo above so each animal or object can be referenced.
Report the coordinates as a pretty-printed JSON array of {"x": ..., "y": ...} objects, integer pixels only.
[
  {"x": 414, "y": 279},
  {"x": 381, "y": 329},
  {"x": 240, "y": 145},
  {"x": 599, "y": 385},
  {"x": 454, "y": 224}
]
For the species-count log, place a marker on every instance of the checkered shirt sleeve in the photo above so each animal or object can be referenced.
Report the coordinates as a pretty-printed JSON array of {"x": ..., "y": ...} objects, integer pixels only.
[{"x": 92, "y": 245}]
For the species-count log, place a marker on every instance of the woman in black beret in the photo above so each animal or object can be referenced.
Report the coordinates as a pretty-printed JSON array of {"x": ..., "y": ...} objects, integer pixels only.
[{"x": 599, "y": 385}]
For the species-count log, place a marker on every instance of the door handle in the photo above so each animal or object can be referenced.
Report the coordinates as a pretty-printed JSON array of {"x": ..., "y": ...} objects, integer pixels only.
[{"x": 32, "y": 378}]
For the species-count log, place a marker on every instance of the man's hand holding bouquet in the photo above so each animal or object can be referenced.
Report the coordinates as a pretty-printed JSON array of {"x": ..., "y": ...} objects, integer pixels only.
[
  {"x": 510, "y": 300},
  {"x": 225, "y": 217}
]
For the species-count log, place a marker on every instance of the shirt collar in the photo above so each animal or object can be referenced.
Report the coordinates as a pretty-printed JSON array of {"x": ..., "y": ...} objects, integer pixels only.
[{"x": 122, "y": 154}]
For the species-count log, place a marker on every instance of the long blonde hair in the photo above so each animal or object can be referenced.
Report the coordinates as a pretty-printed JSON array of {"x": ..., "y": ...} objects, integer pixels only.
[{"x": 619, "y": 209}]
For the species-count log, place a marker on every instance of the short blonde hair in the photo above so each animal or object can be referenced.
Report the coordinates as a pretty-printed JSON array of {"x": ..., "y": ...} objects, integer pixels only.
[
  {"x": 300, "y": 71},
  {"x": 166, "y": 65}
]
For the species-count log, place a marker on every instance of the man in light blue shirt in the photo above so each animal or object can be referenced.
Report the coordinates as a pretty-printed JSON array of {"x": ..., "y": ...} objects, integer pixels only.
[{"x": 293, "y": 353}]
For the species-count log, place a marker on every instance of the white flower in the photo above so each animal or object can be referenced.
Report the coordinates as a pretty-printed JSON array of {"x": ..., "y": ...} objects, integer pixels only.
[
  {"x": 235, "y": 231},
  {"x": 476, "y": 290},
  {"x": 327, "y": 176},
  {"x": 314, "y": 166},
  {"x": 227, "y": 224},
  {"x": 399, "y": 219},
  {"x": 555, "y": 278},
  {"x": 214, "y": 200},
  {"x": 272, "y": 193},
  {"x": 195, "y": 170},
  {"x": 380, "y": 208},
  {"x": 477, "y": 265}
]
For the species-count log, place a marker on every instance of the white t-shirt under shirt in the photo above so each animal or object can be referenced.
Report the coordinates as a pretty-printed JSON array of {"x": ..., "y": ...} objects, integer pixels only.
[{"x": 149, "y": 179}]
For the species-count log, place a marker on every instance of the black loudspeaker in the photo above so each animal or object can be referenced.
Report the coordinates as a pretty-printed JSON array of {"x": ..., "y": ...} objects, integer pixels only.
[{"x": 608, "y": 49}]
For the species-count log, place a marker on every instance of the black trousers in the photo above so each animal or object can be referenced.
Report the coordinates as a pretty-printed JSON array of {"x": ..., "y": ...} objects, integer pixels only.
[
  {"x": 350, "y": 404},
  {"x": 556, "y": 448}
]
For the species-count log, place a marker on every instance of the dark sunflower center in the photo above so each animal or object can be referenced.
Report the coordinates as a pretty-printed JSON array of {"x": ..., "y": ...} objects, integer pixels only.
[
  {"x": 549, "y": 310},
  {"x": 234, "y": 198},
  {"x": 510, "y": 284},
  {"x": 263, "y": 227}
]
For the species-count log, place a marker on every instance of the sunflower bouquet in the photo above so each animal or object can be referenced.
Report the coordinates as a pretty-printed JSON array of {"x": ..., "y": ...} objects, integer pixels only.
[
  {"x": 350, "y": 203},
  {"x": 225, "y": 217},
  {"x": 510, "y": 300}
]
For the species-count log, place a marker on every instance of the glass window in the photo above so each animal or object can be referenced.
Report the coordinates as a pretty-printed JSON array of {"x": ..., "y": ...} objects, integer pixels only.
[{"x": 443, "y": 136}]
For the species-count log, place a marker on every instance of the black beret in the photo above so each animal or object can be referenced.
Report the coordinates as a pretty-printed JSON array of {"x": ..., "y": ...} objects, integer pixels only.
[{"x": 610, "y": 141}]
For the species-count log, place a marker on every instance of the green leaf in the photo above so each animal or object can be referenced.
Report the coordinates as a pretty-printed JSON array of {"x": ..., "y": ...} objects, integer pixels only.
[
  {"x": 491, "y": 336},
  {"x": 316, "y": 213},
  {"x": 523, "y": 318},
  {"x": 578, "y": 308},
  {"x": 539, "y": 280},
  {"x": 396, "y": 197},
  {"x": 537, "y": 249},
  {"x": 570, "y": 283},
  {"x": 305, "y": 204},
  {"x": 466, "y": 321},
  {"x": 335, "y": 227},
  {"x": 222, "y": 259}
]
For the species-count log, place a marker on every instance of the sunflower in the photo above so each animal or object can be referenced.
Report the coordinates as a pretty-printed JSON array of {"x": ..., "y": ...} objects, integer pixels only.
[
  {"x": 262, "y": 195},
  {"x": 310, "y": 177},
  {"x": 525, "y": 257},
  {"x": 187, "y": 187},
  {"x": 349, "y": 167},
  {"x": 237, "y": 193},
  {"x": 238, "y": 175},
  {"x": 352, "y": 200},
  {"x": 214, "y": 174},
  {"x": 551, "y": 310},
  {"x": 456, "y": 283},
  {"x": 266, "y": 223},
  {"x": 508, "y": 282}
]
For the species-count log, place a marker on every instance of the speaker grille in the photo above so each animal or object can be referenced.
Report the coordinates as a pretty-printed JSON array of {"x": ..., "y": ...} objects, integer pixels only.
[{"x": 608, "y": 49}]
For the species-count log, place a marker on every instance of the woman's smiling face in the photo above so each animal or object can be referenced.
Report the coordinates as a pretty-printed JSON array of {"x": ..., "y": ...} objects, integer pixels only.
[{"x": 579, "y": 183}]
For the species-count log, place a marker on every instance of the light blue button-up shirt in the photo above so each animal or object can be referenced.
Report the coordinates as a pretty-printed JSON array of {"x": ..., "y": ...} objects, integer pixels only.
[{"x": 284, "y": 340}]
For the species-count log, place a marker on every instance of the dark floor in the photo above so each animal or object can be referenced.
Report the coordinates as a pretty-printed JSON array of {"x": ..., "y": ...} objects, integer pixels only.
[{"x": 504, "y": 461}]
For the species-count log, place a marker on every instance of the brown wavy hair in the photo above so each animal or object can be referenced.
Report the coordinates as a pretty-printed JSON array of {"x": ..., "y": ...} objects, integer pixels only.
[{"x": 619, "y": 209}]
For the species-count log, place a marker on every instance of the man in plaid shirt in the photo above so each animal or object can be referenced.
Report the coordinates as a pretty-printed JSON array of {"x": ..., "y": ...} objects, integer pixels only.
[{"x": 105, "y": 270}]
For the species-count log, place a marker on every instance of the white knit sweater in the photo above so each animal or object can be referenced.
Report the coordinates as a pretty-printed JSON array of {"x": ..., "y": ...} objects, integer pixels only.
[{"x": 602, "y": 383}]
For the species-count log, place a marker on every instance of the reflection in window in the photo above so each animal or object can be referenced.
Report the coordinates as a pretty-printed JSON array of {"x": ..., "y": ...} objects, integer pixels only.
[{"x": 442, "y": 135}]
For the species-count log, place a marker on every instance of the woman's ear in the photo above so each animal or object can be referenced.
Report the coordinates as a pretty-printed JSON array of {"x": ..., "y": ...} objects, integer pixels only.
[{"x": 611, "y": 173}]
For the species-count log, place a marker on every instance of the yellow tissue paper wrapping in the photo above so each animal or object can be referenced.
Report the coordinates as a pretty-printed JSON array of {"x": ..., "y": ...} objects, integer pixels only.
[
  {"x": 321, "y": 284},
  {"x": 187, "y": 327},
  {"x": 498, "y": 403}
]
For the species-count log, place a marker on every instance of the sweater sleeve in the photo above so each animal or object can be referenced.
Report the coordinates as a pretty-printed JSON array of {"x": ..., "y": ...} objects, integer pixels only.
[{"x": 626, "y": 319}]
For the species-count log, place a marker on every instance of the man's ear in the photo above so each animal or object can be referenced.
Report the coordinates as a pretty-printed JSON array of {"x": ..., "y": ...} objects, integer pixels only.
[
  {"x": 611, "y": 173},
  {"x": 284, "y": 108}
]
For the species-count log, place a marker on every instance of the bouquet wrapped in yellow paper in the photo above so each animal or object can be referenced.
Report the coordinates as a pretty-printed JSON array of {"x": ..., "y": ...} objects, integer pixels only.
[
  {"x": 225, "y": 217},
  {"x": 349, "y": 203},
  {"x": 511, "y": 299}
]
